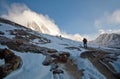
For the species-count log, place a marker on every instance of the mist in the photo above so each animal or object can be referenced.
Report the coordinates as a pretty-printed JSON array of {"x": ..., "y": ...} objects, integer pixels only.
[{"x": 23, "y": 15}]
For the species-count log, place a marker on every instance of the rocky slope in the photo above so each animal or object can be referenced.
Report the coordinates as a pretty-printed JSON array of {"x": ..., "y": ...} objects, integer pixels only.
[
  {"x": 109, "y": 40},
  {"x": 52, "y": 57}
]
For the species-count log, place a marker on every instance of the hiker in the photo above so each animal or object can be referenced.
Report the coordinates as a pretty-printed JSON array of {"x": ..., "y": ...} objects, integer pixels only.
[{"x": 85, "y": 42}]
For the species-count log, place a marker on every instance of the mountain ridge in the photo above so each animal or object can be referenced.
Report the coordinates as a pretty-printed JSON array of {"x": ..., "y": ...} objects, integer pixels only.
[{"x": 109, "y": 40}]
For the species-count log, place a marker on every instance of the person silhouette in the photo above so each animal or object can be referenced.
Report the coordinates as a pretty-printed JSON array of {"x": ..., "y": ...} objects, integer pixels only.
[{"x": 85, "y": 42}]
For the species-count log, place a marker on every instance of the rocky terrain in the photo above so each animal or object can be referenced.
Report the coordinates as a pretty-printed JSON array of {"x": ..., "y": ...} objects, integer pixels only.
[
  {"x": 109, "y": 40},
  {"x": 12, "y": 62},
  {"x": 28, "y": 53},
  {"x": 100, "y": 60}
]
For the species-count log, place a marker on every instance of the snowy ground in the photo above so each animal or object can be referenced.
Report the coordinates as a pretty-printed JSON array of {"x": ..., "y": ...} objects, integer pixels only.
[
  {"x": 116, "y": 65},
  {"x": 32, "y": 67},
  {"x": 1, "y": 62}
]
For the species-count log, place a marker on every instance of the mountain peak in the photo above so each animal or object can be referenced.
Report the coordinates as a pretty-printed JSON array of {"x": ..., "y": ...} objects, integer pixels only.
[
  {"x": 39, "y": 28},
  {"x": 109, "y": 40}
]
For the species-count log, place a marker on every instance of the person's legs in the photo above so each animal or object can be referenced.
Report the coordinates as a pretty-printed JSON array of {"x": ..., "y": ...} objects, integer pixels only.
[{"x": 85, "y": 45}]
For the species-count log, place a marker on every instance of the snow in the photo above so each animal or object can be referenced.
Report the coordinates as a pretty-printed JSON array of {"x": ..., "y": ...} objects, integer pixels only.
[
  {"x": 84, "y": 64},
  {"x": 107, "y": 49},
  {"x": 5, "y": 27},
  {"x": 116, "y": 65},
  {"x": 32, "y": 67},
  {"x": 57, "y": 43},
  {"x": 1, "y": 62},
  {"x": 108, "y": 40},
  {"x": 89, "y": 69}
]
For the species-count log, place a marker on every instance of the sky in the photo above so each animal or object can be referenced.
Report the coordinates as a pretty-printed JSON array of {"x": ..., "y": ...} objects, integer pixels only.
[{"x": 88, "y": 18}]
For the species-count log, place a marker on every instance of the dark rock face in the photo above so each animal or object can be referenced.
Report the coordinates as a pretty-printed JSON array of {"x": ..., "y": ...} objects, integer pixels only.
[
  {"x": 4, "y": 40},
  {"x": 72, "y": 48},
  {"x": 52, "y": 59},
  {"x": 52, "y": 51},
  {"x": 56, "y": 57},
  {"x": 104, "y": 59},
  {"x": 64, "y": 57},
  {"x": 27, "y": 37},
  {"x": 117, "y": 75},
  {"x": 58, "y": 71},
  {"x": 48, "y": 60},
  {"x": 12, "y": 62},
  {"x": 23, "y": 46},
  {"x": 2, "y": 33}
]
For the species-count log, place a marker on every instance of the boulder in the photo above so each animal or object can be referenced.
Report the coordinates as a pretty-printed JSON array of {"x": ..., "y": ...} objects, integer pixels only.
[
  {"x": 47, "y": 61},
  {"x": 12, "y": 62},
  {"x": 117, "y": 75},
  {"x": 51, "y": 51},
  {"x": 64, "y": 57},
  {"x": 58, "y": 71},
  {"x": 4, "y": 40},
  {"x": 2, "y": 33}
]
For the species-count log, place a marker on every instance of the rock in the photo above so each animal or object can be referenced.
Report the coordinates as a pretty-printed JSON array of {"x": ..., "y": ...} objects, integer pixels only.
[
  {"x": 64, "y": 57},
  {"x": 72, "y": 48},
  {"x": 22, "y": 38},
  {"x": 51, "y": 51},
  {"x": 67, "y": 54},
  {"x": 2, "y": 33},
  {"x": 83, "y": 54},
  {"x": 14, "y": 45},
  {"x": 12, "y": 62},
  {"x": 1, "y": 54},
  {"x": 55, "y": 55},
  {"x": 60, "y": 57},
  {"x": 43, "y": 40},
  {"x": 4, "y": 40},
  {"x": 54, "y": 66},
  {"x": 117, "y": 75},
  {"x": 48, "y": 60},
  {"x": 58, "y": 71},
  {"x": 18, "y": 32}
]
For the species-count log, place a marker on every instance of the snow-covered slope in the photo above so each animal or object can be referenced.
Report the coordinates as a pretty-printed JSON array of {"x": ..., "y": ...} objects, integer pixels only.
[
  {"x": 34, "y": 47},
  {"x": 109, "y": 40}
]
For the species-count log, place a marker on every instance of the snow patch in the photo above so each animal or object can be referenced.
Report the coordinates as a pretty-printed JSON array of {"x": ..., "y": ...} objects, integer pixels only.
[{"x": 116, "y": 65}]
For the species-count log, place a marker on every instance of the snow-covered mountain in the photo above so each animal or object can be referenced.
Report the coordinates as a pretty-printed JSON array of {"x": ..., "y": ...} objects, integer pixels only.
[
  {"x": 34, "y": 26},
  {"x": 50, "y": 57},
  {"x": 109, "y": 40},
  {"x": 23, "y": 15}
]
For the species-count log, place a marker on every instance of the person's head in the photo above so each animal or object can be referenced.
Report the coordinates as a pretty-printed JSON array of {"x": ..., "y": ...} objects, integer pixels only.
[{"x": 84, "y": 38}]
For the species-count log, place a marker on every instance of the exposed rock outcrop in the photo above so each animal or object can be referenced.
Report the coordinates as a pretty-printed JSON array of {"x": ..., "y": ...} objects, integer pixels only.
[
  {"x": 101, "y": 60},
  {"x": 12, "y": 62}
]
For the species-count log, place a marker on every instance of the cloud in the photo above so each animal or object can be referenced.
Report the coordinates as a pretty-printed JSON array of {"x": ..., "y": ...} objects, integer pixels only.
[
  {"x": 109, "y": 23},
  {"x": 102, "y": 31},
  {"x": 76, "y": 37},
  {"x": 21, "y": 14},
  {"x": 109, "y": 19}
]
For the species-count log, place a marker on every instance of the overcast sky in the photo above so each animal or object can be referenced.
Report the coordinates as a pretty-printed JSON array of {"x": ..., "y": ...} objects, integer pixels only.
[{"x": 85, "y": 17}]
